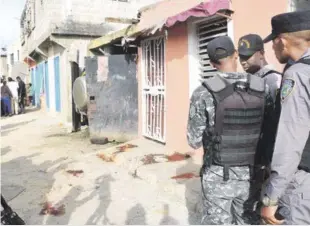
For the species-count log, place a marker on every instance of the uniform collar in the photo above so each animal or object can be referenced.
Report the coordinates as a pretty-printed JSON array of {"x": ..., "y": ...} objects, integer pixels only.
[
  {"x": 264, "y": 70},
  {"x": 307, "y": 53},
  {"x": 233, "y": 76}
]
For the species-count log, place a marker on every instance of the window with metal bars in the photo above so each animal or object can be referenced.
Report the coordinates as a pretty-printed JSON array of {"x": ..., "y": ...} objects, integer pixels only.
[{"x": 207, "y": 31}]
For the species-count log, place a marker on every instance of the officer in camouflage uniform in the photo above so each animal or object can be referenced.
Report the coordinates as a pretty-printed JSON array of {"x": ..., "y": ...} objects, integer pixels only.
[
  {"x": 289, "y": 184},
  {"x": 226, "y": 190}
]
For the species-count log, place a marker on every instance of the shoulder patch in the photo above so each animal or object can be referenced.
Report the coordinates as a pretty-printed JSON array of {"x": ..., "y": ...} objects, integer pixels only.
[{"x": 287, "y": 88}]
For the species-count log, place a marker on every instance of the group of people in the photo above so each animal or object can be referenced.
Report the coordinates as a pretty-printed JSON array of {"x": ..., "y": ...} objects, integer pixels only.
[
  {"x": 13, "y": 96},
  {"x": 254, "y": 128}
]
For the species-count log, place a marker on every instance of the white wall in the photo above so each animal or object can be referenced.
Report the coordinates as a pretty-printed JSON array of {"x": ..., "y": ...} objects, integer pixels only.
[
  {"x": 14, "y": 49},
  {"x": 193, "y": 57},
  {"x": 3, "y": 66}
]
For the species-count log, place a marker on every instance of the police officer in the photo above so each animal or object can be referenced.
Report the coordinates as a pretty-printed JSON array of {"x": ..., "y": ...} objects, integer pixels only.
[
  {"x": 289, "y": 184},
  {"x": 225, "y": 118},
  {"x": 252, "y": 58}
]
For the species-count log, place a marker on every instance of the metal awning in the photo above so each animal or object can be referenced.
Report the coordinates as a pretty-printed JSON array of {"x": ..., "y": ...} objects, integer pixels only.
[{"x": 157, "y": 17}]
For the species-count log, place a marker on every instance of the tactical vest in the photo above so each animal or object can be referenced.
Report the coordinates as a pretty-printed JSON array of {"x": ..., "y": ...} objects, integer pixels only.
[
  {"x": 239, "y": 111},
  {"x": 271, "y": 72}
]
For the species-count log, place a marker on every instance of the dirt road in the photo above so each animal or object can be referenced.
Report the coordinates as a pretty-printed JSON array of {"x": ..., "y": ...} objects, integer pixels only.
[{"x": 37, "y": 152}]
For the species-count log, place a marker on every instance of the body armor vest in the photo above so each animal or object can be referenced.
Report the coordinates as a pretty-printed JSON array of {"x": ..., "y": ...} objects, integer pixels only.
[{"x": 239, "y": 111}]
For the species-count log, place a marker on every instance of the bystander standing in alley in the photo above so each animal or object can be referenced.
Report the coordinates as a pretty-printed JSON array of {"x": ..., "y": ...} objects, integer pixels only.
[
  {"x": 30, "y": 95},
  {"x": 6, "y": 96},
  {"x": 13, "y": 85},
  {"x": 21, "y": 94}
]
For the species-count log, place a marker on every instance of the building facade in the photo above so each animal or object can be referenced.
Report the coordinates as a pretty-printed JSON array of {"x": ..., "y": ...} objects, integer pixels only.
[
  {"x": 3, "y": 63},
  {"x": 53, "y": 33},
  {"x": 16, "y": 65},
  {"x": 172, "y": 39}
]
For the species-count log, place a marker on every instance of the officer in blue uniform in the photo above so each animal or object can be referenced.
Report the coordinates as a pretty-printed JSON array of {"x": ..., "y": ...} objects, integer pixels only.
[{"x": 288, "y": 187}]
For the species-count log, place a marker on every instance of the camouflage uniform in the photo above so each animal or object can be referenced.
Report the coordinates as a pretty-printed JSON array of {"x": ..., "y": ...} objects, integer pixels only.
[{"x": 226, "y": 202}]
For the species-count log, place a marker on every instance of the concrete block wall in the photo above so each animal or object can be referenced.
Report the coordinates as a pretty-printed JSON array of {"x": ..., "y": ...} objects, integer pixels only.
[
  {"x": 51, "y": 13},
  {"x": 97, "y": 10}
]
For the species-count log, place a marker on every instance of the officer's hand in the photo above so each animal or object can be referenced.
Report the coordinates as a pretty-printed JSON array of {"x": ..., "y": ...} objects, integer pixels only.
[{"x": 268, "y": 215}]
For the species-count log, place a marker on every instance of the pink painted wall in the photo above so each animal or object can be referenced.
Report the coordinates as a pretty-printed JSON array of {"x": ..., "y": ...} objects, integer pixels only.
[
  {"x": 252, "y": 16},
  {"x": 177, "y": 80}
]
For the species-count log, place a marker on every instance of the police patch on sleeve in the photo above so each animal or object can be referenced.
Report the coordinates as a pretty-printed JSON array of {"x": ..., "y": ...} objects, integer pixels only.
[{"x": 287, "y": 88}]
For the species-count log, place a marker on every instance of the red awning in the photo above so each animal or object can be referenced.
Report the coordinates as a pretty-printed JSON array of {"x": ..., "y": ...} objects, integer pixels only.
[{"x": 204, "y": 9}]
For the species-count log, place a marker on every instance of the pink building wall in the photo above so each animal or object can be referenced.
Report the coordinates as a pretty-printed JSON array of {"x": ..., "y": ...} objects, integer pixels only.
[{"x": 250, "y": 16}]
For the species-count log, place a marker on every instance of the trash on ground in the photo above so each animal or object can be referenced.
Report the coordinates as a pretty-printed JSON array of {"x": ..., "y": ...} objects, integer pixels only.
[
  {"x": 159, "y": 158},
  {"x": 75, "y": 172},
  {"x": 49, "y": 209},
  {"x": 115, "y": 142},
  {"x": 106, "y": 158},
  {"x": 100, "y": 141},
  {"x": 185, "y": 176},
  {"x": 177, "y": 157},
  {"x": 152, "y": 158},
  {"x": 125, "y": 147},
  {"x": 112, "y": 157}
]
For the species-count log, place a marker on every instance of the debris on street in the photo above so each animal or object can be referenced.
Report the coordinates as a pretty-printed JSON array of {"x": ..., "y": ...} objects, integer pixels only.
[
  {"x": 75, "y": 172},
  {"x": 177, "y": 157},
  {"x": 49, "y": 209},
  {"x": 125, "y": 147},
  {"x": 185, "y": 176},
  {"x": 154, "y": 158},
  {"x": 112, "y": 157},
  {"x": 106, "y": 157},
  {"x": 159, "y": 158}
]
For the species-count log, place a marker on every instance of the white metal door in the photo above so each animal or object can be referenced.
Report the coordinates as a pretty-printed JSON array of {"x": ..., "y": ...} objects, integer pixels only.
[{"x": 153, "y": 88}]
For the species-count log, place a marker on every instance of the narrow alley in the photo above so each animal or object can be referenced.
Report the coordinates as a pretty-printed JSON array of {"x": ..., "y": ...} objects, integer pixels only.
[{"x": 37, "y": 152}]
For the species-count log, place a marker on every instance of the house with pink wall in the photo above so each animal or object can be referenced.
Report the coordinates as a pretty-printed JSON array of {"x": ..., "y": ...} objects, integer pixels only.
[{"x": 171, "y": 38}]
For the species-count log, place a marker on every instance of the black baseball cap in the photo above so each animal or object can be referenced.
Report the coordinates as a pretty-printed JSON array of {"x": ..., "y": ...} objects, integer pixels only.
[
  {"x": 250, "y": 44},
  {"x": 223, "y": 43},
  {"x": 289, "y": 22}
]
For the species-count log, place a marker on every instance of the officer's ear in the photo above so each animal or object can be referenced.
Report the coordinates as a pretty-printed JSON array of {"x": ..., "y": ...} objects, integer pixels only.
[
  {"x": 214, "y": 64},
  {"x": 262, "y": 54},
  {"x": 283, "y": 41},
  {"x": 236, "y": 55}
]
